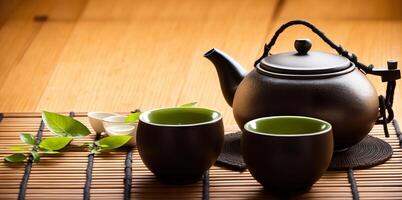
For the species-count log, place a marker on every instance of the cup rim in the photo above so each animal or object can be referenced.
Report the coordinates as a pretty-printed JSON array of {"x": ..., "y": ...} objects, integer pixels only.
[
  {"x": 146, "y": 113},
  {"x": 93, "y": 114},
  {"x": 329, "y": 126}
]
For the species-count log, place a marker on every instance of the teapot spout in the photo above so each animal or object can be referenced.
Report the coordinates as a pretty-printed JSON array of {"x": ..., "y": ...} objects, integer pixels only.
[{"x": 230, "y": 72}]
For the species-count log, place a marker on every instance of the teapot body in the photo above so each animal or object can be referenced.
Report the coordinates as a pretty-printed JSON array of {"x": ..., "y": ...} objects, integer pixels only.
[
  {"x": 308, "y": 83},
  {"x": 348, "y": 101}
]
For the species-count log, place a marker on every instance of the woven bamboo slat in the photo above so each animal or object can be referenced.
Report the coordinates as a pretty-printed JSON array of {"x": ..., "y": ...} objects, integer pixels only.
[{"x": 64, "y": 176}]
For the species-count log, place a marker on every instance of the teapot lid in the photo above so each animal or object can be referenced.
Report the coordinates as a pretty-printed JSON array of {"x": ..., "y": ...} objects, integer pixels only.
[{"x": 304, "y": 61}]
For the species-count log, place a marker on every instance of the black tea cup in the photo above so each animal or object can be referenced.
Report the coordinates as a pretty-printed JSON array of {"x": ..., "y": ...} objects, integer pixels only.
[
  {"x": 287, "y": 154},
  {"x": 179, "y": 144}
]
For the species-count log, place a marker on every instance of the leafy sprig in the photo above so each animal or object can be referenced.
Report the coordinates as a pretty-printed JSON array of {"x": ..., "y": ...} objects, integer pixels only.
[
  {"x": 46, "y": 146},
  {"x": 66, "y": 129}
]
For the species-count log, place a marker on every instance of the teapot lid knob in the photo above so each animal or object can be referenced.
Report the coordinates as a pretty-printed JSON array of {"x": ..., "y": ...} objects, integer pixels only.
[{"x": 302, "y": 46}]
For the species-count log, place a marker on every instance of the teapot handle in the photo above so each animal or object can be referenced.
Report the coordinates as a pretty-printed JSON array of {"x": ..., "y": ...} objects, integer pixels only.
[
  {"x": 389, "y": 75},
  {"x": 386, "y": 74},
  {"x": 271, "y": 43}
]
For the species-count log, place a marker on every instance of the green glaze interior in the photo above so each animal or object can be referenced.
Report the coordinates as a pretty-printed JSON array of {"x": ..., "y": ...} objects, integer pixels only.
[
  {"x": 287, "y": 125},
  {"x": 180, "y": 116}
]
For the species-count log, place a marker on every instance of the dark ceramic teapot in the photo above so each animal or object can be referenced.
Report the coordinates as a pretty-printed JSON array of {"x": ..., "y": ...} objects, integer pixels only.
[{"x": 308, "y": 83}]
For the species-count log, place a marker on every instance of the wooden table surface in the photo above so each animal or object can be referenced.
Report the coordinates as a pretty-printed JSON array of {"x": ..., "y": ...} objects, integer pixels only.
[{"x": 120, "y": 55}]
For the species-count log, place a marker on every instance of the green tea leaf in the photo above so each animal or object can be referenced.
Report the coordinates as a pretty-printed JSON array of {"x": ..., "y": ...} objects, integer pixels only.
[
  {"x": 133, "y": 117},
  {"x": 55, "y": 143},
  {"x": 18, "y": 157},
  {"x": 192, "y": 104},
  {"x": 35, "y": 156},
  {"x": 49, "y": 152},
  {"x": 113, "y": 142},
  {"x": 19, "y": 148},
  {"x": 64, "y": 125},
  {"x": 27, "y": 138}
]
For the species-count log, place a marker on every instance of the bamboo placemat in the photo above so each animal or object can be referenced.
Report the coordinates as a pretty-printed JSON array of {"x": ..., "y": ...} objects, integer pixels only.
[{"x": 122, "y": 175}]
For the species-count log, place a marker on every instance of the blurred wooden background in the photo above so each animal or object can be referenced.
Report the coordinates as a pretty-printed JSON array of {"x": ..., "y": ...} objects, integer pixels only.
[{"x": 118, "y": 55}]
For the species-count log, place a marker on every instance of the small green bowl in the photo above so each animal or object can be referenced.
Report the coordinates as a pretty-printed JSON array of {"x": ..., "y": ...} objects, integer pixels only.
[
  {"x": 287, "y": 153},
  {"x": 179, "y": 144}
]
